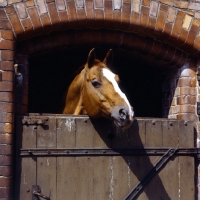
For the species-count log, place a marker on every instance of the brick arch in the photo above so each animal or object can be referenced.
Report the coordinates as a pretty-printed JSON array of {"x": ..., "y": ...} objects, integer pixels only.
[{"x": 149, "y": 18}]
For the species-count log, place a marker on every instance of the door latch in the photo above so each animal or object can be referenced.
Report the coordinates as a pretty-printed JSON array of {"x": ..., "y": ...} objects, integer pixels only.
[{"x": 37, "y": 193}]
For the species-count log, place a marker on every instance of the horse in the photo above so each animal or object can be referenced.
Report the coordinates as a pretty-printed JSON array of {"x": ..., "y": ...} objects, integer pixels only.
[{"x": 95, "y": 92}]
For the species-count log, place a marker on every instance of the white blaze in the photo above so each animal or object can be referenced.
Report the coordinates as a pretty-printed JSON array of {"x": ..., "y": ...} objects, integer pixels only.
[{"x": 111, "y": 77}]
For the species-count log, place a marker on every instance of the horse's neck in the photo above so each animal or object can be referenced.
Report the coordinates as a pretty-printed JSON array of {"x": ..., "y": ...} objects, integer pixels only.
[{"x": 74, "y": 95}]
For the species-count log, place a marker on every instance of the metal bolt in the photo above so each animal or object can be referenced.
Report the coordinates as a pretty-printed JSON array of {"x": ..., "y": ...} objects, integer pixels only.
[
  {"x": 86, "y": 151},
  {"x": 28, "y": 190},
  {"x": 85, "y": 120},
  {"x": 49, "y": 152},
  {"x": 171, "y": 124},
  {"x": 104, "y": 151},
  {"x": 153, "y": 122},
  {"x": 185, "y": 123}
]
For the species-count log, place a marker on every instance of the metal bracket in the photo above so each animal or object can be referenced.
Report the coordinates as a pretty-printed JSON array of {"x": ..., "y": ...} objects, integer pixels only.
[
  {"x": 36, "y": 191},
  {"x": 163, "y": 160}
]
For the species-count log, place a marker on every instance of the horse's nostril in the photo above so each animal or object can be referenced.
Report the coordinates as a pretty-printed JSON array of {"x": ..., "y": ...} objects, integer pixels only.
[{"x": 122, "y": 114}]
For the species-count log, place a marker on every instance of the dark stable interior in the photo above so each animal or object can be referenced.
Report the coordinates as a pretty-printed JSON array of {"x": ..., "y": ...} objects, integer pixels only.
[{"x": 50, "y": 75}]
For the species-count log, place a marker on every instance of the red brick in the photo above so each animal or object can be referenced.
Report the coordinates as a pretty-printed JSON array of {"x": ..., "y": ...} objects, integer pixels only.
[
  {"x": 164, "y": 7},
  {"x": 64, "y": 20},
  {"x": 54, "y": 16},
  {"x": 16, "y": 24},
  {"x": 10, "y": 9},
  {"x": 6, "y": 34},
  {"x": 108, "y": 13},
  {"x": 50, "y": 1},
  {"x": 72, "y": 13},
  {"x": 7, "y": 76},
  {"x": 7, "y": 55},
  {"x": 182, "y": 37},
  {"x": 187, "y": 82},
  {"x": 191, "y": 37},
  {"x": 6, "y": 65},
  {"x": 82, "y": 20},
  {"x": 5, "y": 182},
  {"x": 143, "y": 20},
  {"x": 186, "y": 99},
  {"x": 126, "y": 14},
  {"x": 28, "y": 27},
  {"x": 6, "y": 107},
  {"x": 5, "y": 149},
  {"x": 6, "y": 118},
  {"x": 5, "y": 170},
  {"x": 126, "y": 41},
  {"x": 41, "y": 6},
  {"x": 6, "y": 96},
  {"x": 178, "y": 24},
  {"x": 154, "y": 8},
  {"x": 5, "y": 192},
  {"x": 90, "y": 12},
  {"x": 148, "y": 46},
  {"x": 156, "y": 48},
  {"x": 170, "y": 54},
  {"x": 6, "y": 128},
  {"x": 134, "y": 22},
  {"x": 99, "y": 16},
  {"x": 98, "y": 3},
  {"x": 161, "y": 21},
  {"x": 22, "y": 90},
  {"x": 116, "y": 19},
  {"x": 188, "y": 91},
  {"x": 83, "y": 37},
  {"x": 30, "y": 3},
  {"x": 35, "y": 20},
  {"x": 163, "y": 51},
  {"x": 6, "y": 86},
  {"x": 151, "y": 25},
  {"x": 7, "y": 44},
  {"x": 197, "y": 43},
  {"x": 2, "y": 14},
  {"x": 146, "y": 2},
  {"x": 22, "y": 59},
  {"x": 5, "y": 24},
  {"x": 46, "y": 23}
]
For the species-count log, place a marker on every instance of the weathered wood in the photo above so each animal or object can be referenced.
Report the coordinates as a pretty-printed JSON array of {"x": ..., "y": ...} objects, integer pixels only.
[
  {"x": 102, "y": 165},
  {"x": 109, "y": 177},
  {"x": 66, "y": 169},
  {"x": 46, "y": 166},
  {"x": 84, "y": 165},
  {"x": 186, "y": 164},
  {"x": 169, "y": 173},
  {"x": 153, "y": 139},
  {"x": 28, "y": 165}
]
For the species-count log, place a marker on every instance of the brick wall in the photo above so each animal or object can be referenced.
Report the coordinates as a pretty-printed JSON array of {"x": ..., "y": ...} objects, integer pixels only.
[{"x": 164, "y": 32}]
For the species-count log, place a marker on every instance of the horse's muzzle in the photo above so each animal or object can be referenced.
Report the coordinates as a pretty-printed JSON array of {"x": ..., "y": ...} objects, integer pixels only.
[{"x": 122, "y": 116}]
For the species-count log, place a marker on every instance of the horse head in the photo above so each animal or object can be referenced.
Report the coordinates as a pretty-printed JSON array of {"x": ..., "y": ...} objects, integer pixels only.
[{"x": 95, "y": 91}]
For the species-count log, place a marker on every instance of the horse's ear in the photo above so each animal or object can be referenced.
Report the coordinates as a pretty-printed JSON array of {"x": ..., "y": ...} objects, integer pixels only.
[
  {"x": 91, "y": 58},
  {"x": 108, "y": 60}
]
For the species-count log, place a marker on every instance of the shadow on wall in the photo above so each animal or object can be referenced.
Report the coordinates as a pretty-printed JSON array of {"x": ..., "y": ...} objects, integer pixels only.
[{"x": 50, "y": 75}]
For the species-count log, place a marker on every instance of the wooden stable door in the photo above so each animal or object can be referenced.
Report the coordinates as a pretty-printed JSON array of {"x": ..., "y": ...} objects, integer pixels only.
[{"x": 75, "y": 158}]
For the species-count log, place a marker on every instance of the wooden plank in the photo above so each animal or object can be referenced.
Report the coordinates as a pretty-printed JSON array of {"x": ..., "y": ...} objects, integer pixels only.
[
  {"x": 102, "y": 164},
  {"x": 84, "y": 165},
  {"x": 137, "y": 137},
  {"x": 186, "y": 163},
  {"x": 169, "y": 173},
  {"x": 46, "y": 166},
  {"x": 66, "y": 169},
  {"x": 26, "y": 166},
  {"x": 153, "y": 139},
  {"x": 120, "y": 171}
]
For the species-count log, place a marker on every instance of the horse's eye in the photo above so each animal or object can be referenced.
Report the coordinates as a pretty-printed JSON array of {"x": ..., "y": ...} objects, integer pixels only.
[{"x": 95, "y": 83}]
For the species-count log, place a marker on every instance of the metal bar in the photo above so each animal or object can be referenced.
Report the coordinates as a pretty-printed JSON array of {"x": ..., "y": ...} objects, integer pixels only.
[
  {"x": 107, "y": 152},
  {"x": 141, "y": 184}
]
